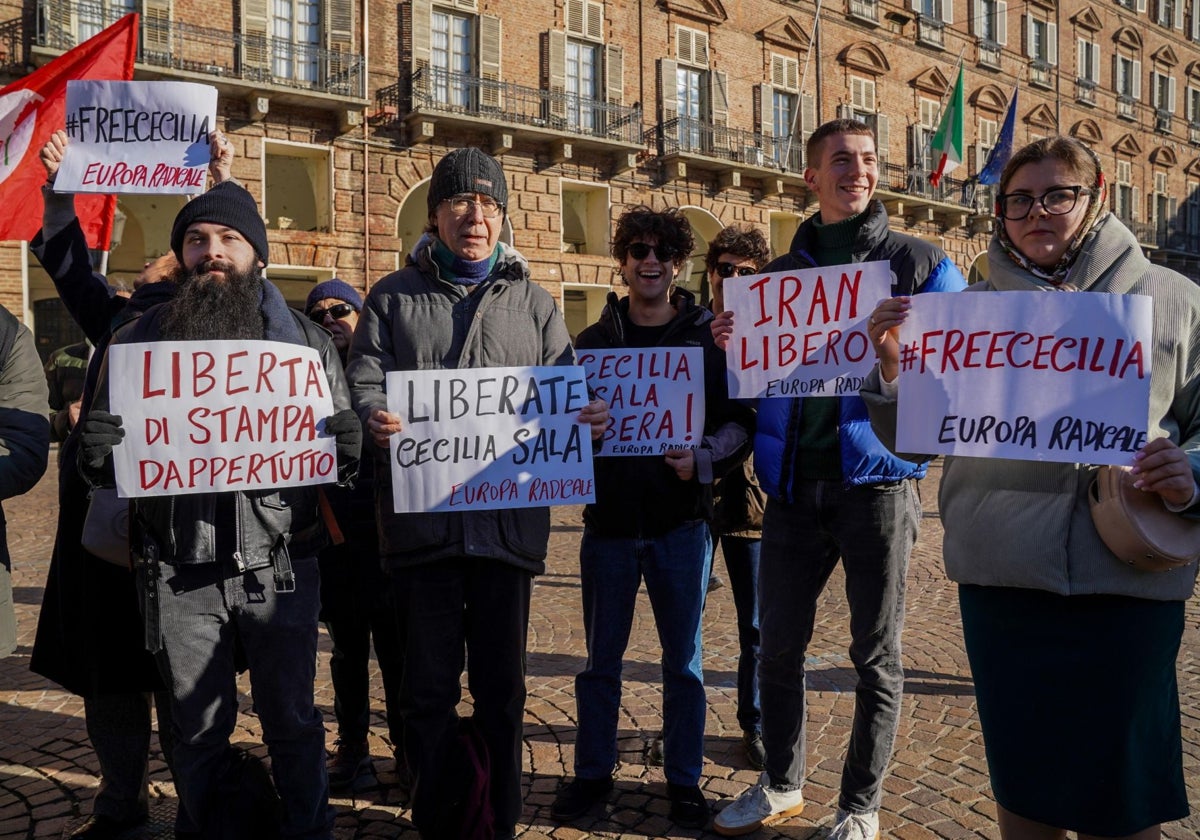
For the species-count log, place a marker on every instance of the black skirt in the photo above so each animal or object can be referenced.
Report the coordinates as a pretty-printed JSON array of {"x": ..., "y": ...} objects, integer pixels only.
[{"x": 1079, "y": 706}]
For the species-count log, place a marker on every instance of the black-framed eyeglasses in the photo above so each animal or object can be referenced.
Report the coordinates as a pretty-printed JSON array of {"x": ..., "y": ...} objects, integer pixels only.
[
  {"x": 338, "y": 311},
  {"x": 728, "y": 269},
  {"x": 1058, "y": 202},
  {"x": 462, "y": 205},
  {"x": 641, "y": 250}
]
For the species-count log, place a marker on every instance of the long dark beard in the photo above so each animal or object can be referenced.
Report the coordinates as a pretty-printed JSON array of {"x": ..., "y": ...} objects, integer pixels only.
[{"x": 210, "y": 309}]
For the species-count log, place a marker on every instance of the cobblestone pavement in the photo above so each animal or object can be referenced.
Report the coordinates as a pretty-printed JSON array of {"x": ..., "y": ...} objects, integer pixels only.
[{"x": 937, "y": 788}]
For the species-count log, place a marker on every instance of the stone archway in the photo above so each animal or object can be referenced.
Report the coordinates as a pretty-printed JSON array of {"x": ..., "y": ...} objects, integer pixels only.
[
  {"x": 414, "y": 213},
  {"x": 692, "y": 276}
]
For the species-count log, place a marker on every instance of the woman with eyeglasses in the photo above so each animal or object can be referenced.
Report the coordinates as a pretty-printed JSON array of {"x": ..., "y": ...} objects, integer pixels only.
[{"x": 1072, "y": 651}]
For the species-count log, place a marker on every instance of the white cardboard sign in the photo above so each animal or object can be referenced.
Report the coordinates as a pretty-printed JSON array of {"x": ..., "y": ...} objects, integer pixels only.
[
  {"x": 137, "y": 137},
  {"x": 211, "y": 416},
  {"x": 1026, "y": 375},
  {"x": 803, "y": 333},
  {"x": 489, "y": 438},
  {"x": 655, "y": 397}
]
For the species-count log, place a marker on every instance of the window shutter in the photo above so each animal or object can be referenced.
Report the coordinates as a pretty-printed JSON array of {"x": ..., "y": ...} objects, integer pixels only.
[
  {"x": 595, "y": 21},
  {"x": 975, "y": 16},
  {"x": 256, "y": 53},
  {"x": 1196, "y": 20},
  {"x": 719, "y": 81},
  {"x": 684, "y": 48},
  {"x": 915, "y": 5},
  {"x": 575, "y": 17},
  {"x": 668, "y": 83},
  {"x": 700, "y": 56},
  {"x": 914, "y": 145},
  {"x": 1179, "y": 14},
  {"x": 845, "y": 112},
  {"x": 1141, "y": 6},
  {"x": 614, "y": 74},
  {"x": 1095, "y": 62},
  {"x": 1171, "y": 94},
  {"x": 1136, "y": 210},
  {"x": 156, "y": 26},
  {"x": 421, "y": 23},
  {"x": 1116, "y": 65},
  {"x": 1137, "y": 80},
  {"x": 466, "y": 5},
  {"x": 1052, "y": 44},
  {"x": 556, "y": 72},
  {"x": 766, "y": 109},
  {"x": 339, "y": 25},
  {"x": 1002, "y": 23},
  {"x": 489, "y": 61},
  {"x": 1081, "y": 57},
  {"x": 948, "y": 11},
  {"x": 1028, "y": 35}
]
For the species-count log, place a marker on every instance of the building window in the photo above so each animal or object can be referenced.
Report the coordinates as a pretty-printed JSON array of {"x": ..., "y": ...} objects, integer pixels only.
[
  {"x": 1125, "y": 195},
  {"x": 1191, "y": 221},
  {"x": 1041, "y": 40},
  {"x": 1170, "y": 13},
  {"x": 585, "y": 222},
  {"x": 1163, "y": 100},
  {"x": 922, "y": 134},
  {"x": 1089, "y": 61},
  {"x": 1127, "y": 81},
  {"x": 297, "y": 192},
  {"x": 451, "y": 55},
  {"x": 693, "y": 96},
  {"x": 583, "y": 84},
  {"x": 94, "y": 17},
  {"x": 1193, "y": 114}
]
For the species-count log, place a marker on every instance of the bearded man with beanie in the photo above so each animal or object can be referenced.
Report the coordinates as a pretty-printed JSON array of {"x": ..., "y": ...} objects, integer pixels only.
[
  {"x": 232, "y": 574},
  {"x": 462, "y": 580}
]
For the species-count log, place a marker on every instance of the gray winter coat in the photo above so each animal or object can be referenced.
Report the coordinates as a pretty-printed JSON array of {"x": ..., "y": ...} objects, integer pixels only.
[{"x": 414, "y": 319}]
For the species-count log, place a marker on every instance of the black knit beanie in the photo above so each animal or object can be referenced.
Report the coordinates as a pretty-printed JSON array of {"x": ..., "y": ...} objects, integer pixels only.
[
  {"x": 467, "y": 170},
  {"x": 225, "y": 204}
]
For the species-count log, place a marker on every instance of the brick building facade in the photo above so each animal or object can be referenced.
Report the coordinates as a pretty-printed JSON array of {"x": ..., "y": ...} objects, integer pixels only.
[{"x": 340, "y": 108}]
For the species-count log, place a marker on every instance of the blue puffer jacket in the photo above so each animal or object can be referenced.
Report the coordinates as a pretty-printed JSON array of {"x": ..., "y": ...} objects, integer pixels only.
[{"x": 917, "y": 266}]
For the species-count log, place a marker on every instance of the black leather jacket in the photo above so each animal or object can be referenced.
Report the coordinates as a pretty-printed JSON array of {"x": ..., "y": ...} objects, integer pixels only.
[{"x": 270, "y": 525}]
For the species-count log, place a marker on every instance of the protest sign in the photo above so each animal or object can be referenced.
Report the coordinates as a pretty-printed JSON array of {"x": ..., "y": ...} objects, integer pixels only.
[
  {"x": 655, "y": 397},
  {"x": 1026, "y": 375},
  {"x": 209, "y": 416},
  {"x": 489, "y": 438},
  {"x": 137, "y": 137},
  {"x": 803, "y": 333}
]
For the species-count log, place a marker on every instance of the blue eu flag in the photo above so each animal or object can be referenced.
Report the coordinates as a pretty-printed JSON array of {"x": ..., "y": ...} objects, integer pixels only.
[{"x": 1000, "y": 153}]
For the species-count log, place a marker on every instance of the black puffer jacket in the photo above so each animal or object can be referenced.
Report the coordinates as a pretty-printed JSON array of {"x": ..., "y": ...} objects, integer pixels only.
[{"x": 641, "y": 496}]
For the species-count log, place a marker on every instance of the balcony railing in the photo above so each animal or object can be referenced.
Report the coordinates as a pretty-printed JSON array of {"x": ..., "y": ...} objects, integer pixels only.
[
  {"x": 687, "y": 136},
  {"x": 1085, "y": 91},
  {"x": 1039, "y": 74},
  {"x": 1126, "y": 107},
  {"x": 931, "y": 32},
  {"x": 1162, "y": 121},
  {"x": 434, "y": 90},
  {"x": 1194, "y": 133},
  {"x": 1144, "y": 232},
  {"x": 865, "y": 10},
  {"x": 914, "y": 181},
  {"x": 62, "y": 24},
  {"x": 989, "y": 53}
]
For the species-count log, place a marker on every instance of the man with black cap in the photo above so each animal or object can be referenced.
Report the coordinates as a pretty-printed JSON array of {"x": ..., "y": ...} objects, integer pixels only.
[
  {"x": 462, "y": 580},
  {"x": 356, "y": 599},
  {"x": 232, "y": 573}
]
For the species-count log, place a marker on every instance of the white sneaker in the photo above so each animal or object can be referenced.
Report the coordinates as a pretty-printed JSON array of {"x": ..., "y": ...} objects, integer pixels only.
[
  {"x": 760, "y": 805},
  {"x": 849, "y": 826}
]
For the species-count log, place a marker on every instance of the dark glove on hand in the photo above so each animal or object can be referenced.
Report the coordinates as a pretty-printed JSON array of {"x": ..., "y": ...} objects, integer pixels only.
[
  {"x": 347, "y": 428},
  {"x": 101, "y": 432}
]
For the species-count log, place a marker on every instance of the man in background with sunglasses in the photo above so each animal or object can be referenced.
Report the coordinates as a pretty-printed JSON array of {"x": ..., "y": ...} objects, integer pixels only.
[
  {"x": 834, "y": 493},
  {"x": 356, "y": 600}
]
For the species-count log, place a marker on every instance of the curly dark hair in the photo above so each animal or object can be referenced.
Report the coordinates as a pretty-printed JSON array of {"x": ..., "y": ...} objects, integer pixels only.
[
  {"x": 747, "y": 243},
  {"x": 667, "y": 227}
]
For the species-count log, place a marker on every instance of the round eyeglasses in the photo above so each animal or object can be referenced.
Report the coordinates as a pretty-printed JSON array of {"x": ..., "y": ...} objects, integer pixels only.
[
  {"x": 462, "y": 205},
  {"x": 1057, "y": 202}
]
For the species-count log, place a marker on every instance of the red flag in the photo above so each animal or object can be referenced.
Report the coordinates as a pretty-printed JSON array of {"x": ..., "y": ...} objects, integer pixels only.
[{"x": 32, "y": 108}]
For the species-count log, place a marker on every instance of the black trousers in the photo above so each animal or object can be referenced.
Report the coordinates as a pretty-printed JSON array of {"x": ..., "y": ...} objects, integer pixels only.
[{"x": 464, "y": 612}]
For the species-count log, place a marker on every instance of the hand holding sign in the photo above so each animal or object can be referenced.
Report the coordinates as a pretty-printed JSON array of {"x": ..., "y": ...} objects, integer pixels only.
[{"x": 883, "y": 326}]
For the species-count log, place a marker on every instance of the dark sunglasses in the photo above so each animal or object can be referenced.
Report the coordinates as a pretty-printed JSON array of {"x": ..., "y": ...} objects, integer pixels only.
[
  {"x": 338, "y": 311},
  {"x": 726, "y": 269},
  {"x": 640, "y": 250}
]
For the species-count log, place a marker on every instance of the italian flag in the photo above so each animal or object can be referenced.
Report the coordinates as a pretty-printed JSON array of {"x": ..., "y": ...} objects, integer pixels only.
[{"x": 948, "y": 141}]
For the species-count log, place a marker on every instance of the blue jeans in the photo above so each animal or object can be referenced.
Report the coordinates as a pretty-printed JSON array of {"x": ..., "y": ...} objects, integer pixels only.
[
  {"x": 741, "y": 562},
  {"x": 872, "y": 530},
  {"x": 675, "y": 567},
  {"x": 204, "y": 611}
]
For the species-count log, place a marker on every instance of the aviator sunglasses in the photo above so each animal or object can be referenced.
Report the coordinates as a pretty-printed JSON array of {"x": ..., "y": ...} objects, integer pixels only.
[
  {"x": 338, "y": 311},
  {"x": 640, "y": 250},
  {"x": 725, "y": 269}
]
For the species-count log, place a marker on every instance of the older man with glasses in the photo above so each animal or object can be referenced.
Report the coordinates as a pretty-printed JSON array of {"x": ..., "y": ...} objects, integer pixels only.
[{"x": 462, "y": 580}]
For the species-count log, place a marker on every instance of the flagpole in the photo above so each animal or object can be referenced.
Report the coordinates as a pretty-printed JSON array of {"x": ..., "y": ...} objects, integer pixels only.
[{"x": 812, "y": 39}]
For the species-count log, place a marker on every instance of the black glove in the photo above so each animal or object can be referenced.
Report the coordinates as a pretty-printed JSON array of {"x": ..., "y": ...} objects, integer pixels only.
[
  {"x": 347, "y": 428},
  {"x": 101, "y": 432}
]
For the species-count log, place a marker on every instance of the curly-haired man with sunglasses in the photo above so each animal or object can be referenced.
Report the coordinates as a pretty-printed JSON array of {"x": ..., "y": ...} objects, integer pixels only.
[{"x": 650, "y": 522}]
